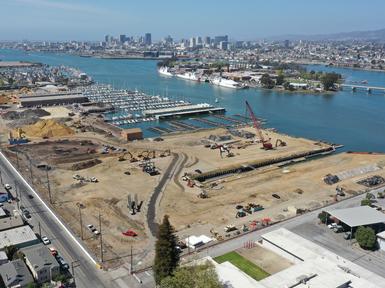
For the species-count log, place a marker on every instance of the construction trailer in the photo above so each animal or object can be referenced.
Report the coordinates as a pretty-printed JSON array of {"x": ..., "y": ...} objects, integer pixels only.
[{"x": 132, "y": 134}]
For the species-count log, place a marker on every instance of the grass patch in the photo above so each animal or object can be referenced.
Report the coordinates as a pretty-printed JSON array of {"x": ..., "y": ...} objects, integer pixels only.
[{"x": 243, "y": 264}]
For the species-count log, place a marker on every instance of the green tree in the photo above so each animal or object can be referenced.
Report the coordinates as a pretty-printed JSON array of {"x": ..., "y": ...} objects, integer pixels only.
[
  {"x": 366, "y": 237},
  {"x": 32, "y": 285},
  {"x": 266, "y": 81},
  {"x": 288, "y": 86},
  {"x": 328, "y": 80},
  {"x": 370, "y": 196},
  {"x": 323, "y": 216},
  {"x": 203, "y": 276},
  {"x": 280, "y": 79},
  {"x": 166, "y": 253},
  {"x": 366, "y": 202},
  {"x": 11, "y": 252}
]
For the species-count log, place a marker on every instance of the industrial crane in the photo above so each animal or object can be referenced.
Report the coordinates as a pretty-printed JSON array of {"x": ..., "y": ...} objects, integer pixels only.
[{"x": 265, "y": 143}]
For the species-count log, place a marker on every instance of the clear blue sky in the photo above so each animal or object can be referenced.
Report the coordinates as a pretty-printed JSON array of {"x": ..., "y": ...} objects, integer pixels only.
[{"x": 241, "y": 19}]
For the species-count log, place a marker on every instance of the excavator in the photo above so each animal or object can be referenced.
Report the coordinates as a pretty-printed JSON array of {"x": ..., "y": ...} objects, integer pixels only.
[
  {"x": 147, "y": 155},
  {"x": 279, "y": 142},
  {"x": 165, "y": 153},
  {"x": 223, "y": 149},
  {"x": 123, "y": 157}
]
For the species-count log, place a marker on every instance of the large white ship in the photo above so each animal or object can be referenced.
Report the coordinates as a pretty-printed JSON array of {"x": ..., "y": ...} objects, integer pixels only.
[
  {"x": 228, "y": 83},
  {"x": 189, "y": 76},
  {"x": 164, "y": 71}
]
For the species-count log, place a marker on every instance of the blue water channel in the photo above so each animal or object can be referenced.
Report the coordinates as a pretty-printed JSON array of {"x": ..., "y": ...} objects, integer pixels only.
[{"x": 354, "y": 119}]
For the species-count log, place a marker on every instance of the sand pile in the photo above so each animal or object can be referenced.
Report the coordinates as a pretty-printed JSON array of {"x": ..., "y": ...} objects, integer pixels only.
[{"x": 47, "y": 128}]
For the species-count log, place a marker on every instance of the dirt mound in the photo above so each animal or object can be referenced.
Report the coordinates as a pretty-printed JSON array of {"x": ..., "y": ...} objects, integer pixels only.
[
  {"x": 47, "y": 128},
  {"x": 85, "y": 164},
  {"x": 26, "y": 114}
]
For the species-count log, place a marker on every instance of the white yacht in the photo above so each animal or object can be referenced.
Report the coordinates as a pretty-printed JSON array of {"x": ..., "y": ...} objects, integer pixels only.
[
  {"x": 189, "y": 76},
  {"x": 228, "y": 83},
  {"x": 164, "y": 71}
]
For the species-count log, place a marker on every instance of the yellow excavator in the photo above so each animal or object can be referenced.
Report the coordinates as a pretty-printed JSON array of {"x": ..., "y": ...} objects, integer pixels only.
[{"x": 123, "y": 157}]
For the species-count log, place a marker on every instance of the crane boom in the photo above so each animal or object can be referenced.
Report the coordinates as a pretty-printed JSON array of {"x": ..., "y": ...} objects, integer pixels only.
[{"x": 266, "y": 143}]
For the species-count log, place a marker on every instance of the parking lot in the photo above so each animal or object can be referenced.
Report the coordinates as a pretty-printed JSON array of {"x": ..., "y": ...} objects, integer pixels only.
[{"x": 320, "y": 234}]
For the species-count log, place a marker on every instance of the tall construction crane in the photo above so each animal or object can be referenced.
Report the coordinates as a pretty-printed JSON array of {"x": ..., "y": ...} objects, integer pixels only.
[{"x": 265, "y": 143}]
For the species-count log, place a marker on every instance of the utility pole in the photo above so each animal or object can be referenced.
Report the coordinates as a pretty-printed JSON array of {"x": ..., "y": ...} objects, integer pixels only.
[
  {"x": 17, "y": 161},
  {"x": 39, "y": 229},
  {"x": 73, "y": 270},
  {"x": 1, "y": 178},
  {"x": 49, "y": 187},
  {"x": 80, "y": 218},
  {"x": 101, "y": 238},
  {"x": 30, "y": 169},
  {"x": 18, "y": 197},
  {"x": 132, "y": 269}
]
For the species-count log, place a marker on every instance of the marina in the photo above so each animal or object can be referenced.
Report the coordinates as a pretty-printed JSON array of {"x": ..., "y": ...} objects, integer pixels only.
[{"x": 133, "y": 107}]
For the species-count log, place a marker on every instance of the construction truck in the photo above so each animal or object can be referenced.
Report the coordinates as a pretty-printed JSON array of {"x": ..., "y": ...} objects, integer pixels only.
[
  {"x": 20, "y": 139},
  {"x": 230, "y": 228}
]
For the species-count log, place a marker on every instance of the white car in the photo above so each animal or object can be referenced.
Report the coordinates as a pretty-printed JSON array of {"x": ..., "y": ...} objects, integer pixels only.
[
  {"x": 7, "y": 186},
  {"x": 45, "y": 240},
  {"x": 333, "y": 225},
  {"x": 93, "y": 229}
]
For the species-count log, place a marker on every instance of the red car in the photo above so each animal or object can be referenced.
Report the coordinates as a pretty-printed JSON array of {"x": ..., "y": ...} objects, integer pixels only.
[{"x": 130, "y": 233}]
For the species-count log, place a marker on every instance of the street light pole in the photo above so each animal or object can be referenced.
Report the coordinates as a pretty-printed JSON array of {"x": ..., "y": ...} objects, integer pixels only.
[
  {"x": 81, "y": 221},
  {"x": 48, "y": 186},
  {"x": 101, "y": 238},
  {"x": 30, "y": 169}
]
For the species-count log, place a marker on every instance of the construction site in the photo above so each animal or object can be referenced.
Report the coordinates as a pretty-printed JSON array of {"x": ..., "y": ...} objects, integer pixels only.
[{"x": 218, "y": 182}]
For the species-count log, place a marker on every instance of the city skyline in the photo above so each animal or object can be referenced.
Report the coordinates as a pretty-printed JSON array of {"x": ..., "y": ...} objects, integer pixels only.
[{"x": 57, "y": 20}]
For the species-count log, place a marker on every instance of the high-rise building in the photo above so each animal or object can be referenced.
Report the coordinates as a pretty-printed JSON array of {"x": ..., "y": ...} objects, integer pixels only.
[
  {"x": 147, "y": 39},
  {"x": 107, "y": 38},
  {"x": 193, "y": 42},
  {"x": 122, "y": 38},
  {"x": 198, "y": 40},
  {"x": 223, "y": 45},
  {"x": 218, "y": 39},
  {"x": 207, "y": 40},
  {"x": 286, "y": 44}
]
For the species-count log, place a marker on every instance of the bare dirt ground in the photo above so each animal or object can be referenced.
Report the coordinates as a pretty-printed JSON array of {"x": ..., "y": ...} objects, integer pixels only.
[
  {"x": 269, "y": 261},
  {"x": 299, "y": 186},
  {"x": 109, "y": 196}
]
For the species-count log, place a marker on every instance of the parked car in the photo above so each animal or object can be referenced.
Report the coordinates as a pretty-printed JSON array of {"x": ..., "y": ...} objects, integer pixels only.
[
  {"x": 130, "y": 233},
  {"x": 348, "y": 235},
  {"x": 62, "y": 263},
  {"x": 332, "y": 225},
  {"x": 338, "y": 229},
  {"x": 26, "y": 214},
  {"x": 45, "y": 240},
  {"x": 53, "y": 251},
  {"x": 93, "y": 229},
  {"x": 30, "y": 196}
]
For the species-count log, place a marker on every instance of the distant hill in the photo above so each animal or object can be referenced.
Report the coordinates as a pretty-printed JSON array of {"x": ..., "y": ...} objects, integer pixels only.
[{"x": 373, "y": 35}]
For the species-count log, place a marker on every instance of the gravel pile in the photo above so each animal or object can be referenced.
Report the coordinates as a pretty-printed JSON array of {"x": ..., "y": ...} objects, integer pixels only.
[{"x": 26, "y": 114}]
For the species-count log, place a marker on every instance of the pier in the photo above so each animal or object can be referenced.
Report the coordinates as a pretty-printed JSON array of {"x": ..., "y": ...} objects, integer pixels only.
[{"x": 209, "y": 122}]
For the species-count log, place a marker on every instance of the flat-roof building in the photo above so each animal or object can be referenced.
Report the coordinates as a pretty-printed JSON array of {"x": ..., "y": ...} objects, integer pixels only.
[
  {"x": 52, "y": 99},
  {"x": 20, "y": 237},
  {"x": 357, "y": 216},
  {"x": 11, "y": 222}
]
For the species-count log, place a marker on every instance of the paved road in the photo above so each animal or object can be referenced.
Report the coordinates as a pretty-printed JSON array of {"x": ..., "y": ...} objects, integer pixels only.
[
  {"x": 172, "y": 169},
  {"x": 86, "y": 272}
]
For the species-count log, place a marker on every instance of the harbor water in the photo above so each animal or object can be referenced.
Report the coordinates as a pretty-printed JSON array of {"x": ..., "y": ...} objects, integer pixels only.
[{"x": 354, "y": 119}]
